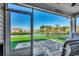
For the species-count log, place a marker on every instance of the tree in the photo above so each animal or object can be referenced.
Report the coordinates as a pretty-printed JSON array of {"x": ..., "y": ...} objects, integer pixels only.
[
  {"x": 43, "y": 28},
  {"x": 46, "y": 30},
  {"x": 64, "y": 28},
  {"x": 56, "y": 28}
]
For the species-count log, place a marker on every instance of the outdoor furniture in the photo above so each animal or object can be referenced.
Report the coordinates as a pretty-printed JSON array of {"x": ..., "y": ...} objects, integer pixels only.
[
  {"x": 52, "y": 49},
  {"x": 46, "y": 48},
  {"x": 38, "y": 49},
  {"x": 71, "y": 48}
]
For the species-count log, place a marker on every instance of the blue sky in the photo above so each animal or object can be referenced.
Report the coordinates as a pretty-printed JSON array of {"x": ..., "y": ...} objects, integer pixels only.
[
  {"x": 40, "y": 18},
  {"x": 77, "y": 21},
  {"x": 19, "y": 20},
  {"x": 43, "y": 18}
]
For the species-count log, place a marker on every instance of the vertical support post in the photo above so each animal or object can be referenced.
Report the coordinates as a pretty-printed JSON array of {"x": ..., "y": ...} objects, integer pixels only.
[
  {"x": 7, "y": 31},
  {"x": 32, "y": 33},
  {"x": 5, "y": 48},
  {"x": 72, "y": 26},
  {"x": 4, "y": 44}
]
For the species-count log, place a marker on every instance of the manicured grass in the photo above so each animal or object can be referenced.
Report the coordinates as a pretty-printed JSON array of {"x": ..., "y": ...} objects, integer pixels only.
[
  {"x": 19, "y": 39},
  {"x": 26, "y": 38}
]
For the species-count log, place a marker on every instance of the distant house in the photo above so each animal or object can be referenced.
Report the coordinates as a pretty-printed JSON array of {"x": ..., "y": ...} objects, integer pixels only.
[
  {"x": 36, "y": 30},
  {"x": 18, "y": 30},
  {"x": 24, "y": 30}
]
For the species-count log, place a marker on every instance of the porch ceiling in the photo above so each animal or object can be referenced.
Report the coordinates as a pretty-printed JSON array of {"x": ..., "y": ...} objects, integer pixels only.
[{"x": 62, "y": 8}]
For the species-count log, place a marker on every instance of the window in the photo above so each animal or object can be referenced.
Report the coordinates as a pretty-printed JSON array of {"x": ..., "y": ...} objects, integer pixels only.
[
  {"x": 20, "y": 30},
  {"x": 50, "y": 31},
  {"x": 13, "y": 6},
  {"x": 77, "y": 24},
  {"x": 50, "y": 26}
]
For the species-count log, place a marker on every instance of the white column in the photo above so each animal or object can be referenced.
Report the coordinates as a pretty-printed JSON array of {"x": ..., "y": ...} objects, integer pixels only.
[{"x": 72, "y": 26}]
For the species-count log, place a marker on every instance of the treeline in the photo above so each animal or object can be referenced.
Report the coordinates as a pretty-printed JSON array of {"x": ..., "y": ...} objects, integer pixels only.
[{"x": 54, "y": 29}]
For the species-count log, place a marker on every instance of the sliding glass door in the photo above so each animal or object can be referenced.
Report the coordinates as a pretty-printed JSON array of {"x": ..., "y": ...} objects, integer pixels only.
[
  {"x": 20, "y": 37},
  {"x": 20, "y": 30}
]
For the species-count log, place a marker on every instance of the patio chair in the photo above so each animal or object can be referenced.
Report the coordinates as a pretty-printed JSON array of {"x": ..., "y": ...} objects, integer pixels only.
[{"x": 71, "y": 48}]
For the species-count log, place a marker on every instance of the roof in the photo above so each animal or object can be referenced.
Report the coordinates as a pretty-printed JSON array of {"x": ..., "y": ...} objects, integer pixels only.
[{"x": 61, "y": 8}]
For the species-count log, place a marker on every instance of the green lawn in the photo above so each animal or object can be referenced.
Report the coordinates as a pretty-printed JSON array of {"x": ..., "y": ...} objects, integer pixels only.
[
  {"x": 26, "y": 38},
  {"x": 19, "y": 39}
]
